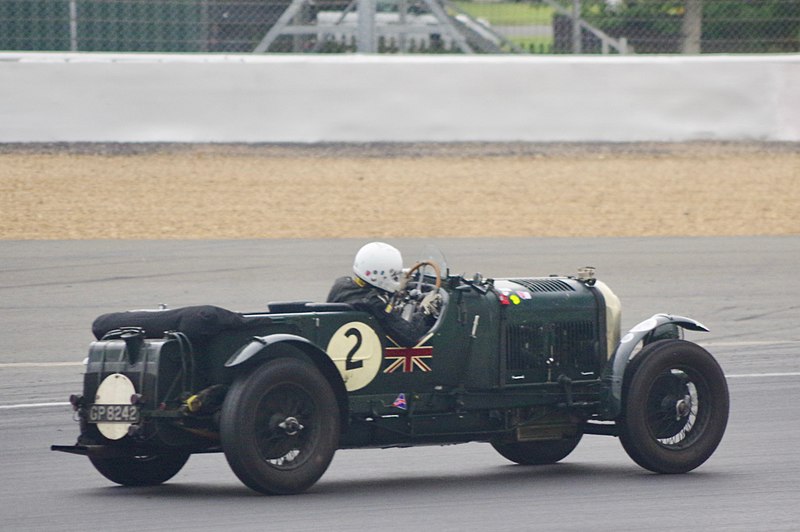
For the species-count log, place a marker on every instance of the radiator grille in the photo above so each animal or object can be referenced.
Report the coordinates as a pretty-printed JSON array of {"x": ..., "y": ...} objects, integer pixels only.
[
  {"x": 525, "y": 347},
  {"x": 544, "y": 285},
  {"x": 570, "y": 345}
]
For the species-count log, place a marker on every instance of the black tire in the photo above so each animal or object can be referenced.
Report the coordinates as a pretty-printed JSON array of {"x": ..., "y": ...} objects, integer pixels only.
[
  {"x": 280, "y": 426},
  {"x": 674, "y": 407},
  {"x": 140, "y": 470},
  {"x": 537, "y": 452}
]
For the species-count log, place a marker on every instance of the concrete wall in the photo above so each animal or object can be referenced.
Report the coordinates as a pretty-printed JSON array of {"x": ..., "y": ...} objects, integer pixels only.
[{"x": 352, "y": 98}]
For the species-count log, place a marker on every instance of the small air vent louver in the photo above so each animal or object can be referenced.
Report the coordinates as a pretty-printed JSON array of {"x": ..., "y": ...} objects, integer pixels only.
[{"x": 544, "y": 285}]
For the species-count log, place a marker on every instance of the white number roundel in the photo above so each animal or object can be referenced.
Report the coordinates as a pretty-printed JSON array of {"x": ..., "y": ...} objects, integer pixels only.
[
  {"x": 115, "y": 393},
  {"x": 356, "y": 350}
]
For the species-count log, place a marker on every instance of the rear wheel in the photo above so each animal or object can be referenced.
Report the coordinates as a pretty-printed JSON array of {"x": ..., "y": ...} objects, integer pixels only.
[
  {"x": 537, "y": 452},
  {"x": 280, "y": 426},
  {"x": 675, "y": 407},
  {"x": 140, "y": 470}
]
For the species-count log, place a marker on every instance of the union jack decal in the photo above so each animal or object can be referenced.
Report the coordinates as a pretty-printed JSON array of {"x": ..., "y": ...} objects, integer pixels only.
[
  {"x": 400, "y": 402},
  {"x": 408, "y": 358}
]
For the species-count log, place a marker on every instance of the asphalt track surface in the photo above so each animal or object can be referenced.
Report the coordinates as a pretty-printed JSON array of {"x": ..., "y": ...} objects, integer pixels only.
[{"x": 743, "y": 289}]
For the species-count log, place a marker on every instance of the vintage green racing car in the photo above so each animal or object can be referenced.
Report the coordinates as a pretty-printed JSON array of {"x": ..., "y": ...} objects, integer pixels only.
[{"x": 528, "y": 365}]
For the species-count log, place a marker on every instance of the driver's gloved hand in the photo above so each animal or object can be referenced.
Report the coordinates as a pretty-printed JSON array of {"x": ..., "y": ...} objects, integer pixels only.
[
  {"x": 430, "y": 303},
  {"x": 403, "y": 283}
]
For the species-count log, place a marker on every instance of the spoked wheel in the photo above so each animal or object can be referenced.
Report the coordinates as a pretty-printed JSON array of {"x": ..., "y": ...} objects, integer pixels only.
[
  {"x": 675, "y": 407},
  {"x": 140, "y": 470},
  {"x": 538, "y": 452},
  {"x": 280, "y": 427}
]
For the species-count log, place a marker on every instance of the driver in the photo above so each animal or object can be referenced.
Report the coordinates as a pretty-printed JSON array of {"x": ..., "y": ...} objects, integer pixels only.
[{"x": 378, "y": 268}]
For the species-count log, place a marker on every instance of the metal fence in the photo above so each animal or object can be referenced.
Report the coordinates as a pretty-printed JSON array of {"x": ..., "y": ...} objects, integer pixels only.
[{"x": 402, "y": 26}]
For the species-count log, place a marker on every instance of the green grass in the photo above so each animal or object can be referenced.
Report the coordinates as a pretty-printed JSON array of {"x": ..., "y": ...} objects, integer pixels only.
[{"x": 508, "y": 13}]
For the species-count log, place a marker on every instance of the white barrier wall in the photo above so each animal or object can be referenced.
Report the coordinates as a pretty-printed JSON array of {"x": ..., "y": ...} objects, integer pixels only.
[{"x": 353, "y": 98}]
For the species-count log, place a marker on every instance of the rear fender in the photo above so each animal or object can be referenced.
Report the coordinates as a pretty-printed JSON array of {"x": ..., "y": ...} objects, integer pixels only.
[
  {"x": 263, "y": 348},
  {"x": 658, "y": 327}
]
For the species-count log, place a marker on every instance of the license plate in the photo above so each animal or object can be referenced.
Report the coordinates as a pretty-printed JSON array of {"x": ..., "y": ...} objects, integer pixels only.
[{"x": 113, "y": 414}]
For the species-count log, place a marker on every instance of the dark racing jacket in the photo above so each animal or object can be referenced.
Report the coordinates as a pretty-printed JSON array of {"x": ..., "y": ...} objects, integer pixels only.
[{"x": 362, "y": 296}]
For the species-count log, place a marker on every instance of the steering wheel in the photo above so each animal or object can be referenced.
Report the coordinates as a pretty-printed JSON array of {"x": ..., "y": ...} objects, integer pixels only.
[
  {"x": 401, "y": 297},
  {"x": 414, "y": 269}
]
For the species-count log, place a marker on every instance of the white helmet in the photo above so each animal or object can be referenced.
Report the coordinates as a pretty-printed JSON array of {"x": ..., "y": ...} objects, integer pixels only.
[{"x": 380, "y": 265}]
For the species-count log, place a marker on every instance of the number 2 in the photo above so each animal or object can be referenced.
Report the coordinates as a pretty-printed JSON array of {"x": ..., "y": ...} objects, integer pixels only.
[{"x": 349, "y": 362}]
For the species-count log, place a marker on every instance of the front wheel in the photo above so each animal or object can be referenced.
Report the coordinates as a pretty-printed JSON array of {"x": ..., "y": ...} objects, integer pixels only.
[
  {"x": 280, "y": 426},
  {"x": 675, "y": 407},
  {"x": 140, "y": 470},
  {"x": 537, "y": 452}
]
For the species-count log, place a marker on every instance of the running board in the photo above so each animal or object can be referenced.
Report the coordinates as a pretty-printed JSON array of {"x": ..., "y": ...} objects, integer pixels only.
[{"x": 602, "y": 429}]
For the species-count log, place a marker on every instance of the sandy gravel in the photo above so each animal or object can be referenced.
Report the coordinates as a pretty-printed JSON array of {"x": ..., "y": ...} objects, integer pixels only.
[{"x": 327, "y": 191}]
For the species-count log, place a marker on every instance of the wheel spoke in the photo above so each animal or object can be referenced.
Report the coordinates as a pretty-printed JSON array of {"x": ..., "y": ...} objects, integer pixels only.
[
  {"x": 284, "y": 425},
  {"x": 672, "y": 417}
]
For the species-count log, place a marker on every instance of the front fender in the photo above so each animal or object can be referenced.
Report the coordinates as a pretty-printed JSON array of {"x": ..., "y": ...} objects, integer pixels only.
[
  {"x": 259, "y": 349},
  {"x": 615, "y": 369}
]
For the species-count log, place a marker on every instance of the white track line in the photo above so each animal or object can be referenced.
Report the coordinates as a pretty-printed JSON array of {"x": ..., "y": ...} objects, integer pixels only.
[
  {"x": 746, "y": 343},
  {"x": 761, "y": 375},
  {"x": 31, "y": 405},
  {"x": 38, "y": 364}
]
